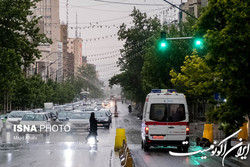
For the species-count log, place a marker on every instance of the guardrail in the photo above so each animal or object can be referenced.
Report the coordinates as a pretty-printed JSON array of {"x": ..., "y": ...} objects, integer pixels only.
[{"x": 125, "y": 156}]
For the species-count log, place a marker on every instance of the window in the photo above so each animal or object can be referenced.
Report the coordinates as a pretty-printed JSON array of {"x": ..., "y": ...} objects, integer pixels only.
[
  {"x": 167, "y": 112},
  {"x": 158, "y": 112},
  {"x": 176, "y": 112}
]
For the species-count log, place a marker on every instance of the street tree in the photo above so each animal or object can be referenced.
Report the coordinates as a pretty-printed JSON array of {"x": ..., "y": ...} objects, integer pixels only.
[
  {"x": 196, "y": 80},
  {"x": 158, "y": 61},
  {"x": 87, "y": 80},
  {"x": 131, "y": 61},
  {"x": 20, "y": 38},
  {"x": 226, "y": 29}
]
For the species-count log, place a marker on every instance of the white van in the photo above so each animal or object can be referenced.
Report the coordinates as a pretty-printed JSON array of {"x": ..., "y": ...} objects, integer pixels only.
[{"x": 165, "y": 120}]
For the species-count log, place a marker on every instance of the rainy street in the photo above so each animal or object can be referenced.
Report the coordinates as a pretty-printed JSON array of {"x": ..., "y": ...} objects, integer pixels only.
[{"x": 72, "y": 150}]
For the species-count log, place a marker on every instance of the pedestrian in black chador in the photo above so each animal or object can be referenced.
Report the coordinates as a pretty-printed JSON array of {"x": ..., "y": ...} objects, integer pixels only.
[
  {"x": 129, "y": 108},
  {"x": 93, "y": 126}
]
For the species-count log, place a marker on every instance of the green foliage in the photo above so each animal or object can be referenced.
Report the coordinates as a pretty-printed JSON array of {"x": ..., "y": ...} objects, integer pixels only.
[
  {"x": 137, "y": 38},
  {"x": 20, "y": 38},
  {"x": 158, "y": 63},
  {"x": 19, "y": 31},
  {"x": 226, "y": 29},
  {"x": 87, "y": 80},
  {"x": 196, "y": 79}
]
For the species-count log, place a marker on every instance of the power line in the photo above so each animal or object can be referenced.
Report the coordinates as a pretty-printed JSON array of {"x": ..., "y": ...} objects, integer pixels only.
[
  {"x": 180, "y": 9},
  {"x": 123, "y": 3}
]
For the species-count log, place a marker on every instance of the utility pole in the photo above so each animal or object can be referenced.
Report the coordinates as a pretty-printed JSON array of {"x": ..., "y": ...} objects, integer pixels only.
[{"x": 180, "y": 9}]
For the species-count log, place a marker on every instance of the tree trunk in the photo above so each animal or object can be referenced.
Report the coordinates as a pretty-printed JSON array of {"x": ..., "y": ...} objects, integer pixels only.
[
  {"x": 195, "y": 111},
  {"x": 4, "y": 102}
]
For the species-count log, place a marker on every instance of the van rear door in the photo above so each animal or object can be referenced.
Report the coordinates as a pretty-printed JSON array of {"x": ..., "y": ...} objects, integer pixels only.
[
  {"x": 176, "y": 119},
  {"x": 167, "y": 122},
  {"x": 158, "y": 123}
]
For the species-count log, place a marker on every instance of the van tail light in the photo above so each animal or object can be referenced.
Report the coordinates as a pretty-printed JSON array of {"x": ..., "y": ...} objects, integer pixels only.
[
  {"x": 146, "y": 130},
  {"x": 187, "y": 129}
]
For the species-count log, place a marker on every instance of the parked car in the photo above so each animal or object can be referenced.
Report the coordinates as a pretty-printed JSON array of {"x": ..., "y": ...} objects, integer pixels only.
[
  {"x": 15, "y": 117},
  {"x": 98, "y": 107},
  {"x": 60, "y": 108},
  {"x": 108, "y": 112},
  {"x": 79, "y": 121},
  {"x": 4, "y": 117},
  {"x": 37, "y": 110},
  {"x": 105, "y": 104},
  {"x": 63, "y": 116},
  {"x": 102, "y": 119},
  {"x": 36, "y": 119},
  {"x": 88, "y": 109},
  {"x": 53, "y": 114}
]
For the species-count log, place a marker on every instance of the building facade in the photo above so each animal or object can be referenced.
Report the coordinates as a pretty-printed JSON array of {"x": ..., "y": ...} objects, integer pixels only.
[
  {"x": 49, "y": 25},
  {"x": 74, "y": 46},
  {"x": 66, "y": 61},
  {"x": 193, "y": 7}
]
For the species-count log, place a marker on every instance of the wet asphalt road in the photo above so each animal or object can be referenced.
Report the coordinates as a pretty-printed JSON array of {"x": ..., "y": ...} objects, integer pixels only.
[{"x": 71, "y": 150}]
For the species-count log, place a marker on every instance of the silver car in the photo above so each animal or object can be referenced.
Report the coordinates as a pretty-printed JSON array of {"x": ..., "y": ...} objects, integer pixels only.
[
  {"x": 79, "y": 121},
  {"x": 38, "y": 120},
  {"x": 14, "y": 118}
]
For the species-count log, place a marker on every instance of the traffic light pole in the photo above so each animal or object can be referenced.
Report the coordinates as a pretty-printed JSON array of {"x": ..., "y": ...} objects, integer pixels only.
[{"x": 180, "y": 9}]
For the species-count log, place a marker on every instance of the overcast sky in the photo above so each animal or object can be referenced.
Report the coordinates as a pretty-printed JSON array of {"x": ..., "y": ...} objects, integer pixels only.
[{"x": 98, "y": 23}]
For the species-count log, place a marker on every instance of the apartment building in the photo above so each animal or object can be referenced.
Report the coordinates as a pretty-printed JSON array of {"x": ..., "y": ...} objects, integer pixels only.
[
  {"x": 74, "y": 46},
  {"x": 193, "y": 7},
  {"x": 51, "y": 62}
]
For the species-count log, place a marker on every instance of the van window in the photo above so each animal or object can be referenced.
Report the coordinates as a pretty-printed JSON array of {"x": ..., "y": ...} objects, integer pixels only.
[
  {"x": 158, "y": 112},
  {"x": 167, "y": 112},
  {"x": 176, "y": 112}
]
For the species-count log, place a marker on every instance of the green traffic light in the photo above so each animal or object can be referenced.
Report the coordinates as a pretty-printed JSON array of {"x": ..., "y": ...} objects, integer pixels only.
[
  {"x": 163, "y": 45},
  {"x": 198, "y": 42}
]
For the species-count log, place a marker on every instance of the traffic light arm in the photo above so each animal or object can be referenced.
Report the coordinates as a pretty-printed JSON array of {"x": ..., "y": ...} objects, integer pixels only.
[{"x": 179, "y": 38}]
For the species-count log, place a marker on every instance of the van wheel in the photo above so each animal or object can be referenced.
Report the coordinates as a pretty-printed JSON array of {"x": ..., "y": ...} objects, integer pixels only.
[{"x": 145, "y": 147}]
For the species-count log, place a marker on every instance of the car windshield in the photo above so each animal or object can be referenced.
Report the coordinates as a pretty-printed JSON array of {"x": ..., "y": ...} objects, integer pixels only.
[
  {"x": 64, "y": 114},
  {"x": 33, "y": 117},
  {"x": 17, "y": 114},
  {"x": 80, "y": 116},
  {"x": 100, "y": 114}
]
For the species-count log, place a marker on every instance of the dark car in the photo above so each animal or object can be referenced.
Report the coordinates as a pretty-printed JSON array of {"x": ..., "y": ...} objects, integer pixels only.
[
  {"x": 52, "y": 114},
  {"x": 108, "y": 113},
  {"x": 102, "y": 119}
]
